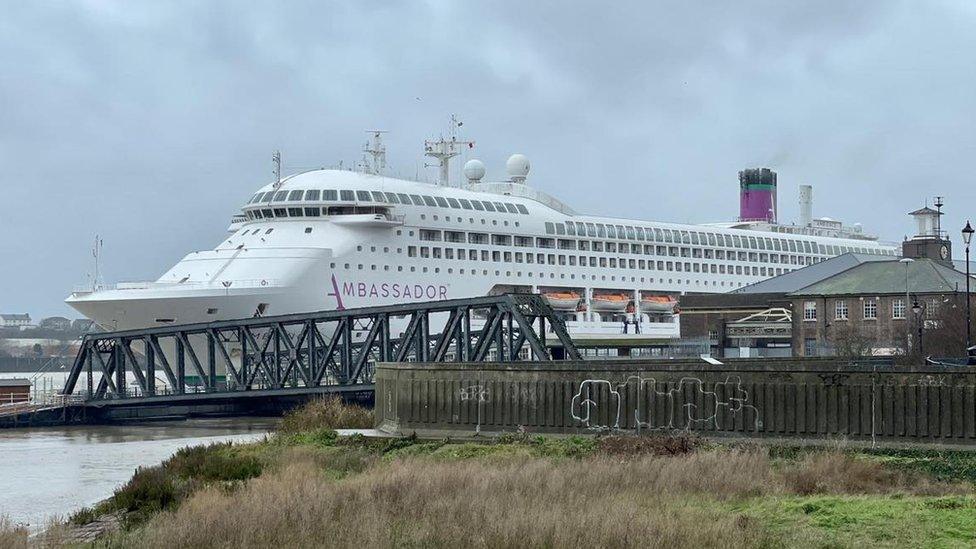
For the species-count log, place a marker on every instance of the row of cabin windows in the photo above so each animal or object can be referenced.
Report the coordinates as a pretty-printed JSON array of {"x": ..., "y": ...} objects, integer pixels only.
[
  {"x": 464, "y": 254},
  {"x": 530, "y": 274},
  {"x": 627, "y": 232},
  {"x": 432, "y": 235},
  {"x": 332, "y": 195}
]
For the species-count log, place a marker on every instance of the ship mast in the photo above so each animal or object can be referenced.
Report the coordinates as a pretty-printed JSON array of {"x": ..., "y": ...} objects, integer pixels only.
[
  {"x": 276, "y": 160},
  {"x": 377, "y": 150},
  {"x": 445, "y": 149}
]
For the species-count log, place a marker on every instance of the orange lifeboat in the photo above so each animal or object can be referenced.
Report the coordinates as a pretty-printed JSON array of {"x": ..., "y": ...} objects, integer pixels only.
[
  {"x": 562, "y": 300},
  {"x": 610, "y": 302},
  {"x": 658, "y": 304}
]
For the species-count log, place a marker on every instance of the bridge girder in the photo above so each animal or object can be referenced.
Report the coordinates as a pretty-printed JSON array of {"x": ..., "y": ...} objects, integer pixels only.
[{"x": 327, "y": 348}]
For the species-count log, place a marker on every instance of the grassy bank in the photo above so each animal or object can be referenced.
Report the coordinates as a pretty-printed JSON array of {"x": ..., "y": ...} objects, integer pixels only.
[{"x": 305, "y": 487}]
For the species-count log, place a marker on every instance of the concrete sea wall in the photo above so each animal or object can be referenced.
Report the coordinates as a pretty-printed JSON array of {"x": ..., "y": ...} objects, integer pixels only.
[{"x": 799, "y": 399}]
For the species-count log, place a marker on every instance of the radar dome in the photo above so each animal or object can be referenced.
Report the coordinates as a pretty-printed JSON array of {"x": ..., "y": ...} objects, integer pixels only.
[
  {"x": 474, "y": 169},
  {"x": 517, "y": 167}
]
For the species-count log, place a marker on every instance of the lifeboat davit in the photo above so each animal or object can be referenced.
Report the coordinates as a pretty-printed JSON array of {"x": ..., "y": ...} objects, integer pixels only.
[
  {"x": 658, "y": 304},
  {"x": 610, "y": 302},
  {"x": 562, "y": 300}
]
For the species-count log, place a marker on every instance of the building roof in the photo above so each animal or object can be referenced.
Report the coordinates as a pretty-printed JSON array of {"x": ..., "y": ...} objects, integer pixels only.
[
  {"x": 960, "y": 265},
  {"x": 925, "y": 210},
  {"x": 15, "y": 316},
  {"x": 801, "y": 278},
  {"x": 925, "y": 276},
  {"x": 15, "y": 382}
]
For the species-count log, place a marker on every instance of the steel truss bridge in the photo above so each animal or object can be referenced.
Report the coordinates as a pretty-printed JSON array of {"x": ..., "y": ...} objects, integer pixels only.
[{"x": 328, "y": 351}]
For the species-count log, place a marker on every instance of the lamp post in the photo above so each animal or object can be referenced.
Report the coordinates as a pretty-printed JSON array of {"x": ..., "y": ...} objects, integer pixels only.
[
  {"x": 906, "y": 261},
  {"x": 967, "y": 236},
  {"x": 917, "y": 310}
]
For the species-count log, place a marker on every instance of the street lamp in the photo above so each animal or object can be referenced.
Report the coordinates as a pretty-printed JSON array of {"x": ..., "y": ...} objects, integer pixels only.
[
  {"x": 906, "y": 261},
  {"x": 917, "y": 310},
  {"x": 967, "y": 236}
]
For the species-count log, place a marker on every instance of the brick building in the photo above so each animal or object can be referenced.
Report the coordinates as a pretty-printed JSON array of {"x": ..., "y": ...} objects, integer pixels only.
[{"x": 879, "y": 307}]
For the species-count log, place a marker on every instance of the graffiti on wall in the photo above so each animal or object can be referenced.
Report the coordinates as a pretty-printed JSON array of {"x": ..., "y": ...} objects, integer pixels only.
[{"x": 699, "y": 404}]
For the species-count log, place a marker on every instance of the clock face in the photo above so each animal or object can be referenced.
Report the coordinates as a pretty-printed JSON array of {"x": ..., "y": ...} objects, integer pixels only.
[{"x": 944, "y": 251}]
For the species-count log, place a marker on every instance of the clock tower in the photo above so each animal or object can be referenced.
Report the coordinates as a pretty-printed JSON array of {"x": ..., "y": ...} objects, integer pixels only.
[{"x": 930, "y": 241}]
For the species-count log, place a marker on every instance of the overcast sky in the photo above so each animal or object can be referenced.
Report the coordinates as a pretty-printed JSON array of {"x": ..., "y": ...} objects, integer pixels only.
[{"x": 149, "y": 124}]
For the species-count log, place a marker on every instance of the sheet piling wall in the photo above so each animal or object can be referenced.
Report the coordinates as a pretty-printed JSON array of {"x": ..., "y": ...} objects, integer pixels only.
[{"x": 870, "y": 401}]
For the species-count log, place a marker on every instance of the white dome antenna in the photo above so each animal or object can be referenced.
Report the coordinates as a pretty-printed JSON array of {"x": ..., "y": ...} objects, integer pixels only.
[
  {"x": 517, "y": 167},
  {"x": 474, "y": 170}
]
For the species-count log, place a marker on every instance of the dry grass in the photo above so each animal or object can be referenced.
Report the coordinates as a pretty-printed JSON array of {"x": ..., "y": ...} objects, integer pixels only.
[
  {"x": 326, "y": 413},
  {"x": 604, "y": 500},
  {"x": 465, "y": 503},
  {"x": 13, "y": 536},
  {"x": 839, "y": 473}
]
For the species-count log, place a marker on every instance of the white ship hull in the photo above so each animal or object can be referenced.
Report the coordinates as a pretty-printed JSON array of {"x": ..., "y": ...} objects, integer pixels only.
[{"x": 353, "y": 253}]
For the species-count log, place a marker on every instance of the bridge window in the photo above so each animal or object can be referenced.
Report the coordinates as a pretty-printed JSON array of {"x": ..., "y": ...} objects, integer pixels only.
[
  {"x": 281, "y": 196},
  {"x": 522, "y": 209},
  {"x": 454, "y": 203},
  {"x": 392, "y": 198},
  {"x": 294, "y": 212},
  {"x": 362, "y": 196},
  {"x": 511, "y": 208},
  {"x": 488, "y": 205},
  {"x": 429, "y": 200},
  {"x": 417, "y": 200},
  {"x": 378, "y": 197},
  {"x": 347, "y": 196},
  {"x": 330, "y": 194},
  {"x": 312, "y": 194},
  {"x": 295, "y": 195},
  {"x": 404, "y": 199},
  {"x": 465, "y": 203},
  {"x": 280, "y": 212},
  {"x": 441, "y": 202},
  {"x": 477, "y": 205},
  {"x": 311, "y": 212}
]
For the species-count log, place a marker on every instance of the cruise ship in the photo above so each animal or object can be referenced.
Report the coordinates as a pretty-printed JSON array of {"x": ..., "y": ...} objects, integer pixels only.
[{"x": 335, "y": 239}]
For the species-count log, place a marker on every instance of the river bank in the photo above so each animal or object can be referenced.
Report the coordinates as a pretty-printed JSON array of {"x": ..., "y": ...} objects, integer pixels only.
[
  {"x": 51, "y": 472},
  {"x": 662, "y": 490}
]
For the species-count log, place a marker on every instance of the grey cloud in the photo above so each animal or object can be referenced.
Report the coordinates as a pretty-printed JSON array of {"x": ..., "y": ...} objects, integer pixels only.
[{"x": 149, "y": 123}]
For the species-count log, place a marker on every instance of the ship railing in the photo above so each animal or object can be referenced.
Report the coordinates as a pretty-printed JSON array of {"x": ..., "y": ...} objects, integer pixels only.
[{"x": 229, "y": 284}]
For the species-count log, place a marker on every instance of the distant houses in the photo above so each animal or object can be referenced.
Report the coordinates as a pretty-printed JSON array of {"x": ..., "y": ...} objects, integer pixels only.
[
  {"x": 14, "y": 320},
  {"x": 55, "y": 323}
]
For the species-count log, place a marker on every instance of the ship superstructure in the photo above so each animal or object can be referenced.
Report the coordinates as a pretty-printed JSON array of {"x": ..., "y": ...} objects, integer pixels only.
[{"x": 334, "y": 238}]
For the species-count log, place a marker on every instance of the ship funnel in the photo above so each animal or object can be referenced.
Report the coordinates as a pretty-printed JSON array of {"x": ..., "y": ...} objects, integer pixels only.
[
  {"x": 806, "y": 205},
  {"x": 757, "y": 195}
]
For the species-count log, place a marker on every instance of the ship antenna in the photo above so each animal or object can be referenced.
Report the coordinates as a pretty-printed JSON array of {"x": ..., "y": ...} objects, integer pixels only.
[
  {"x": 276, "y": 158},
  {"x": 446, "y": 149},
  {"x": 96, "y": 253},
  {"x": 377, "y": 150}
]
